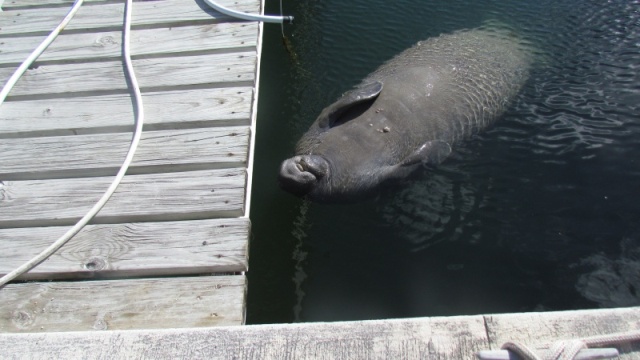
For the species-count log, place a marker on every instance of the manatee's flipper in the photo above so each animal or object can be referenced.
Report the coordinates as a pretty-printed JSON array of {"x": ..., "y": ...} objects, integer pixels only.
[
  {"x": 351, "y": 98},
  {"x": 431, "y": 152}
]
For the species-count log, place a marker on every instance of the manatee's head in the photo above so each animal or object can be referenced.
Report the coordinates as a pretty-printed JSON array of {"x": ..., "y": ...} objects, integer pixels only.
[
  {"x": 329, "y": 179},
  {"x": 333, "y": 161},
  {"x": 302, "y": 175}
]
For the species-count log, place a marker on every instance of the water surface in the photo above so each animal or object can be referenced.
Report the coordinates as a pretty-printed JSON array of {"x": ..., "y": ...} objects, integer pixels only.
[{"x": 541, "y": 212}]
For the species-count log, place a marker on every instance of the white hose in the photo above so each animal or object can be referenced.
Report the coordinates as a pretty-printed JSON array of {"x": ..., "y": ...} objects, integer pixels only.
[
  {"x": 249, "y": 17},
  {"x": 38, "y": 51},
  {"x": 125, "y": 165}
]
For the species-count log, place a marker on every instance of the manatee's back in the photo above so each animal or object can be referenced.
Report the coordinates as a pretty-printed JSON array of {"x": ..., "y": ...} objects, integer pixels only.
[{"x": 466, "y": 79}]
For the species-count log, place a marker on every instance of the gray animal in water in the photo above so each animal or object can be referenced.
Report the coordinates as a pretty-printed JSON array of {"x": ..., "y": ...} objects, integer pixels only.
[{"x": 408, "y": 112}]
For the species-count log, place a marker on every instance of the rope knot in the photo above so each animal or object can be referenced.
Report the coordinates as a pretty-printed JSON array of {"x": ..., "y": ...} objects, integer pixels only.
[
  {"x": 560, "y": 350},
  {"x": 566, "y": 350}
]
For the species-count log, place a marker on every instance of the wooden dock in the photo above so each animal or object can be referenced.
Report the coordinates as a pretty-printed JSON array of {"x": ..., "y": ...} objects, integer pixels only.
[
  {"x": 160, "y": 272},
  {"x": 446, "y": 338},
  {"x": 170, "y": 247}
]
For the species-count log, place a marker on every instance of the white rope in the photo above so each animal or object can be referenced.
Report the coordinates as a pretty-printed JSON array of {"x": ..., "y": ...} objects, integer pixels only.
[
  {"x": 566, "y": 350},
  {"x": 125, "y": 165},
  {"x": 521, "y": 349},
  {"x": 610, "y": 339}
]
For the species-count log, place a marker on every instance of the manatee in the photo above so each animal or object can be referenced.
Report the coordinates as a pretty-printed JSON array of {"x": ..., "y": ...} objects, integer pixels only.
[{"x": 408, "y": 113}]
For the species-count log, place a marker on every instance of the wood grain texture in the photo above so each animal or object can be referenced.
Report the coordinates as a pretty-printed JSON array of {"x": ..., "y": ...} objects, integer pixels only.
[
  {"x": 421, "y": 338},
  {"x": 159, "y": 13},
  {"x": 104, "y": 46},
  {"x": 544, "y": 328},
  {"x": 114, "y": 113},
  {"x": 122, "y": 304},
  {"x": 436, "y": 338},
  {"x": 179, "y": 211},
  {"x": 187, "y": 195},
  {"x": 102, "y": 154},
  {"x": 133, "y": 249},
  {"x": 9, "y": 5},
  {"x": 82, "y": 79}
]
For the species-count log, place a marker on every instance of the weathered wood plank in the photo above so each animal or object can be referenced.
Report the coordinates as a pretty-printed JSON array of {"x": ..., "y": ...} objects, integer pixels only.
[
  {"x": 422, "y": 338},
  {"x": 154, "y": 197},
  {"x": 544, "y": 328},
  {"x": 9, "y": 5},
  {"x": 145, "y": 42},
  {"x": 122, "y": 304},
  {"x": 102, "y": 154},
  {"x": 134, "y": 249},
  {"x": 82, "y": 79},
  {"x": 114, "y": 113},
  {"x": 435, "y": 338},
  {"x": 159, "y": 13}
]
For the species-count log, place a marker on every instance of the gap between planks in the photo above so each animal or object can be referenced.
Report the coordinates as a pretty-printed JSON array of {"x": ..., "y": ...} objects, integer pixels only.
[
  {"x": 123, "y": 304},
  {"x": 114, "y": 113},
  {"x": 90, "y": 78},
  {"x": 456, "y": 337},
  {"x": 131, "y": 249},
  {"x": 423, "y": 338},
  {"x": 190, "y": 195},
  {"x": 11, "y": 5},
  {"x": 101, "y": 155},
  {"x": 162, "y": 42},
  {"x": 169, "y": 184},
  {"x": 109, "y": 16}
]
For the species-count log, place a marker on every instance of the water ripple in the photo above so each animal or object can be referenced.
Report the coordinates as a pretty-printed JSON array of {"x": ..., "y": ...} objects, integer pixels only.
[{"x": 523, "y": 209}]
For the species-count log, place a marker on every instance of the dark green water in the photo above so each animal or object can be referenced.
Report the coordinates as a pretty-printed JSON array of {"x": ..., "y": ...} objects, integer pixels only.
[{"x": 541, "y": 212}]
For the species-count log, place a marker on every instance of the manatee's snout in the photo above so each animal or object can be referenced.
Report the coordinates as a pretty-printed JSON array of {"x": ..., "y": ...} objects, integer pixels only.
[{"x": 300, "y": 174}]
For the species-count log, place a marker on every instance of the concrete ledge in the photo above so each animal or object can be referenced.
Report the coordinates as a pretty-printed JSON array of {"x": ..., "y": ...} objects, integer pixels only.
[{"x": 426, "y": 338}]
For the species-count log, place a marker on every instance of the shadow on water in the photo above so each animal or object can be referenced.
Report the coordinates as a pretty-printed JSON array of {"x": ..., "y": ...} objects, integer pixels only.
[{"x": 538, "y": 213}]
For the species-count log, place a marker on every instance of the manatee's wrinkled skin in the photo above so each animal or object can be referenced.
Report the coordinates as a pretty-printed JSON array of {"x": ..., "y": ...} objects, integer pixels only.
[{"x": 410, "y": 111}]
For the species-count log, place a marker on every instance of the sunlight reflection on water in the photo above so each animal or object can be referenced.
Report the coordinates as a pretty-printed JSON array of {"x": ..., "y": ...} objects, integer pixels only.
[{"x": 525, "y": 216}]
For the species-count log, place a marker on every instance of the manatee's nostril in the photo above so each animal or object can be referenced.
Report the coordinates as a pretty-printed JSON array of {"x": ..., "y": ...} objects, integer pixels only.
[
  {"x": 313, "y": 165},
  {"x": 295, "y": 176},
  {"x": 302, "y": 164}
]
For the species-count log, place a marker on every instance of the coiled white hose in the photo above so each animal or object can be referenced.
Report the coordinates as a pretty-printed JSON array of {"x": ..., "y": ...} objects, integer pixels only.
[{"x": 132, "y": 147}]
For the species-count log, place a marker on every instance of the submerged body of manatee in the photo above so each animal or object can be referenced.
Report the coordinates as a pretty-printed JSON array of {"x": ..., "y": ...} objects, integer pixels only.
[
  {"x": 407, "y": 113},
  {"x": 536, "y": 211}
]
